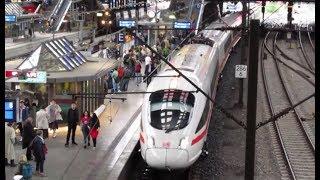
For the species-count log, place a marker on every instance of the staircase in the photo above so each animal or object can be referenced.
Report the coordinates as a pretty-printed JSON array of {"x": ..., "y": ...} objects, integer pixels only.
[{"x": 58, "y": 14}]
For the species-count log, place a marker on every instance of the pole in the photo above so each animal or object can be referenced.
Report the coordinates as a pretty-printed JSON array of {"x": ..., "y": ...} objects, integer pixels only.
[
  {"x": 252, "y": 98},
  {"x": 243, "y": 50}
]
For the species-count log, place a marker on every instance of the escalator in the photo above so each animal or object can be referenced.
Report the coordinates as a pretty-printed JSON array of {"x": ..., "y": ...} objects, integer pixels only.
[{"x": 59, "y": 13}]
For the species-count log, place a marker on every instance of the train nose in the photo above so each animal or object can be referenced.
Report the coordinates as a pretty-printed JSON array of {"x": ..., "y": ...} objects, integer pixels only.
[{"x": 167, "y": 158}]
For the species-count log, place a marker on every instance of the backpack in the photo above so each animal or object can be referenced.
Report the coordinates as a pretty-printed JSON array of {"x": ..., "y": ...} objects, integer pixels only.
[{"x": 27, "y": 171}]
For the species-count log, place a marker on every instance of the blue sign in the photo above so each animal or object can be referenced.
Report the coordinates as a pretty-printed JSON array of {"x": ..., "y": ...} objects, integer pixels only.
[
  {"x": 182, "y": 25},
  {"x": 10, "y": 18},
  {"x": 127, "y": 23},
  {"x": 10, "y": 110}
]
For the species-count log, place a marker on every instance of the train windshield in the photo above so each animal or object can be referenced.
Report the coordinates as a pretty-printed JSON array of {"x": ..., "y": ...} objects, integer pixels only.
[{"x": 170, "y": 109}]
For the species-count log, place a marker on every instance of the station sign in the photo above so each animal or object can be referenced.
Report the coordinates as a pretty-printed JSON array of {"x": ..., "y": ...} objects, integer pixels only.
[
  {"x": 182, "y": 25},
  {"x": 10, "y": 18},
  {"x": 10, "y": 110},
  {"x": 120, "y": 38},
  {"x": 241, "y": 71},
  {"x": 127, "y": 23},
  {"x": 31, "y": 77}
]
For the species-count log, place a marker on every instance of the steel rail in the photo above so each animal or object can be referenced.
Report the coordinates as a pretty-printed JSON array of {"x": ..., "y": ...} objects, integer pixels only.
[
  {"x": 304, "y": 53},
  {"x": 310, "y": 40},
  {"x": 272, "y": 111},
  {"x": 286, "y": 89}
]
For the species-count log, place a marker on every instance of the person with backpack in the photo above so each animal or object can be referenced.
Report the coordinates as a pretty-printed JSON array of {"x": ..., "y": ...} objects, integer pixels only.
[
  {"x": 85, "y": 120},
  {"x": 24, "y": 168},
  {"x": 94, "y": 129},
  {"x": 125, "y": 79},
  {"x": 39, "y": 151}
]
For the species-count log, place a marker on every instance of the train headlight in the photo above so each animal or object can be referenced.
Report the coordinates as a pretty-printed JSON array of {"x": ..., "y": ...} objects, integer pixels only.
[
  {"x": 150, "y": 141},
  {"x": 184, "y": 143}
]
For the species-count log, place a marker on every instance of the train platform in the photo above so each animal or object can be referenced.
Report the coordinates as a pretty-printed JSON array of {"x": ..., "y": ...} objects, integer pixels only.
[{"x": 119, "y": 123}]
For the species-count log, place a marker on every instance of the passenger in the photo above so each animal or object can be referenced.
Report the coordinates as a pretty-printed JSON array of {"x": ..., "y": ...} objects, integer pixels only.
[
  {"x": 54, "y": 111},
  {"x": 39, "y": 151},
  {"x": 147, "y": 70},
  {"x": 28, "y": 135},
  {"x": 10, "y": 137},
  {"x": 42, "y": 122},
  {"x": 23, "y": 115},
  {"x": 33, "y": 111},
  {"x": 94, "y": 129},
  {"x": 85, "y": 120},
  {"x": 73, "y": 119},
  {"x": 125, "y": 80},
  {"x": 115, "y": 81},
  {"x": 137, "y": 71},
  {"x": 24, "y": 168}
]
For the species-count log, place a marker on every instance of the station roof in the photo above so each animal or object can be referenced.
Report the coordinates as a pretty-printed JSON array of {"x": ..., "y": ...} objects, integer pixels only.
[
  {"x": 88, "y": 71},
  {"x": 63, "y": 63},
  {"x": 13, "y": 9},
  {"x": 54, "y": 55}
]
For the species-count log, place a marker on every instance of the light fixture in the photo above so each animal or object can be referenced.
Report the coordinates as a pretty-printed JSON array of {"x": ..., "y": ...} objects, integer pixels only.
[
  {"x": 151, "y": 14},
  {"x": 110, "y": 22},
  {"x": 99, "y": 14},
  {"x": 103, "y": 22},
  {"x": 107, "y": 13},
  {"x": 172, "y": 16}
]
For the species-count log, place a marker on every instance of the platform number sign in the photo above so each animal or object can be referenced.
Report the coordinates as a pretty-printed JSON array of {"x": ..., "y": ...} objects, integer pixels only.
[{"x": 241, "y": 71}]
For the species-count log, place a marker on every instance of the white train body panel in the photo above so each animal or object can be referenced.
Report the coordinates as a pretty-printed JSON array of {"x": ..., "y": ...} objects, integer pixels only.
[{"x": 174, "y": 127}]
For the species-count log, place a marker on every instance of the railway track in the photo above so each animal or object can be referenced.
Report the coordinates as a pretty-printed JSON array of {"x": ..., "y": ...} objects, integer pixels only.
[
  {"x": 293, "y": 147},
  {"x": 306, "y": 57}
]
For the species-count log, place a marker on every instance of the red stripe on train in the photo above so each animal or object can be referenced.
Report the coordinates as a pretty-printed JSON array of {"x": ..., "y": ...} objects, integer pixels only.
[
  {"x": 141, "y": 138},
  {"x": 198, "y": 138}
]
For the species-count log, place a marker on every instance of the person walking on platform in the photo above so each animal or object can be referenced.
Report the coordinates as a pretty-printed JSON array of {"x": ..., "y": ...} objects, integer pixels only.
[
  {"x": 94, "y": 129},
  {"x": 33, "y": 111},
  {"x": 10, "y": 137},
  {"x": 85, "y": 120},
  {"x": 54, "y": 111},
  {"x": 115, "y": 81},
  {"x": 39, "y": 151},
  {"x": 73, "y": 119},
  {"x": 42, "y": 122},
  {"x": 23, "y": 115},
  {"x": 148, "y": 69},
  {"x": 28, "y": 135},
  {"x": 137, "y": 70}
]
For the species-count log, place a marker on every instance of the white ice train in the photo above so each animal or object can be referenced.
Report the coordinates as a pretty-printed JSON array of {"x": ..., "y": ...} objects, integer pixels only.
[{"x": 175, "y": 118}]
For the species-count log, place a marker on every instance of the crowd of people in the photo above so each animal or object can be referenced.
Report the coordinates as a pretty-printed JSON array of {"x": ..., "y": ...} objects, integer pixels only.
[
  {"x": 117, "y": 80},
  {"x": 34, "y": 125}
]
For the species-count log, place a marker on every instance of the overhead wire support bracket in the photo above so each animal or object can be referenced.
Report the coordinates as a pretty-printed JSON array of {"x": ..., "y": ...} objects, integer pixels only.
[{"x": 282, "y": 113}]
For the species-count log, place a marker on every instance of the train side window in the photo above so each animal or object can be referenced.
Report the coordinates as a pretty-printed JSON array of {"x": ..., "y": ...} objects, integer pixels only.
[{"x": 203, "y": 119}]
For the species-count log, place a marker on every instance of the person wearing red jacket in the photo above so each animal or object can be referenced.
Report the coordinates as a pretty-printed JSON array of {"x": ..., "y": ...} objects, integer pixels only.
[
  {"x": 94, "y": 129},
  {"x": 84, "y": 123},
  {"x": 137, "y": 70}
]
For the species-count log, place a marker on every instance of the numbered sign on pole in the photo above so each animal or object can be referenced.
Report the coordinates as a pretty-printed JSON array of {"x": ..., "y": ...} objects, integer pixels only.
[{"x": 241, "y": 71}]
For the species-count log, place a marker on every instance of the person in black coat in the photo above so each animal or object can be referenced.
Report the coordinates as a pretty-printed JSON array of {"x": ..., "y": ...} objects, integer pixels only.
[
  {"x": 73, "y": 119},
  {"x": 28, "y": 135},
  {"x": 39, "y": 152}
]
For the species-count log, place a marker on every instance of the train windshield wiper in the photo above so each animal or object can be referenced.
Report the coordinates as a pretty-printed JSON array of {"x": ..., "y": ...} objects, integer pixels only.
[{"x": 171, "y": 129}]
